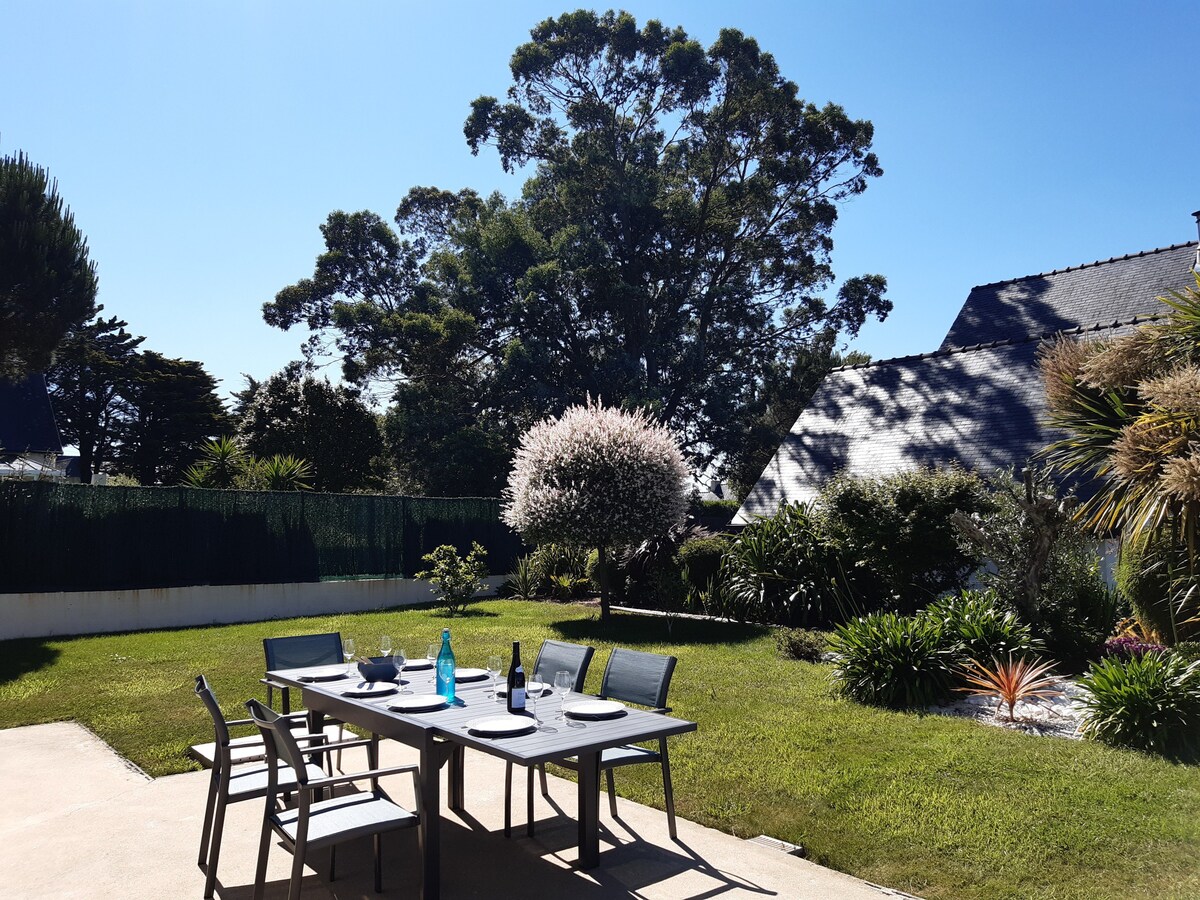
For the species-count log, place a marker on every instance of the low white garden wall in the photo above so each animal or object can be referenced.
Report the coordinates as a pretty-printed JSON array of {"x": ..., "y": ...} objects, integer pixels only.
[{"x": 98, "y": 612}]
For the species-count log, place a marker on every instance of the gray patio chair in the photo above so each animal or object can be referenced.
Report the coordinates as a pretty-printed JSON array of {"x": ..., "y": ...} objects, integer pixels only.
[
  {"x": 553, "y": 656},
  {"x": 323, "y": 823},
  {"x": 233, "y": 779},
  {"x": 642, "y": 678},
  {"x": 301, "y": 651}
]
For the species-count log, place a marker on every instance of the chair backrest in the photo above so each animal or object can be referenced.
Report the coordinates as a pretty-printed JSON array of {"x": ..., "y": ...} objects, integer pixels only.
[
  {"x": 278, "y": 739},
  {"x": 635, "y": 677},
  {"x": 303, "y": 650},
  {"x": 220, "y": 729},
  {"x": 558, "y": 656}
]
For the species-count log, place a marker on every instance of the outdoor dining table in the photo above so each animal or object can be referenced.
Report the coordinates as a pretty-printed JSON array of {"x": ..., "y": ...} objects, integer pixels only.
[{"x": 441, "y": 735}]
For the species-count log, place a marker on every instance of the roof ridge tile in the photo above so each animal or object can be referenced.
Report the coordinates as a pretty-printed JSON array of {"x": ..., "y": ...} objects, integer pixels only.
[{"x": 1088, "y": 265}]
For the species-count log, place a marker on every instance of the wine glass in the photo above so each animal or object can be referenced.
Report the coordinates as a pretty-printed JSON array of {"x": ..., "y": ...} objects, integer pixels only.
[
  {"x": 385, "y": 646},
  {"x": 531, "y": 705},
  {"x": 562, "y": 687},
  {"x": 399, "y": 659},
  {"x": 348, "y": 652},
  {"x": 493, "y": 667},
  {"x": 431, "y": 652}
]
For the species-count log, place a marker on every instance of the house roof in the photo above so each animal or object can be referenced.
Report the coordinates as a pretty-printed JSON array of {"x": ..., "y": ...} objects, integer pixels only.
[
  {"x": 978, "y": 400},
  {"x": 1105, "y": 291},
  {"x": 26, "y": 417}
]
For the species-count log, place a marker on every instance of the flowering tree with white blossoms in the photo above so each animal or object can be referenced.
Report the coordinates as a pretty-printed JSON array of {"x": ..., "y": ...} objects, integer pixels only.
[{"x": 596, "y": 477}]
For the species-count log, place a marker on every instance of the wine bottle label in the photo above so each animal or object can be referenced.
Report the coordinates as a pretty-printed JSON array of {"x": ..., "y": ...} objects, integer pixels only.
[{"x": 518, "y": 698}]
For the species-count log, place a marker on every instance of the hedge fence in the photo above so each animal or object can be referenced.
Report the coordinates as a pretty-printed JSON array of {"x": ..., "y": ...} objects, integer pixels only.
[{"x": 74, "y": 537}]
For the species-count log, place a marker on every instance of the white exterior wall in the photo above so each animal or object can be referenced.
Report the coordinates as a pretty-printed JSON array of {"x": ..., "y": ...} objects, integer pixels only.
[{"x": 97, "y": 612}]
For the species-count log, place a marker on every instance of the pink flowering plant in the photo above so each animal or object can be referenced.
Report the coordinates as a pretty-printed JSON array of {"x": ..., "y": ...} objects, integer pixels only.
[{"x": 596, "y": 477}]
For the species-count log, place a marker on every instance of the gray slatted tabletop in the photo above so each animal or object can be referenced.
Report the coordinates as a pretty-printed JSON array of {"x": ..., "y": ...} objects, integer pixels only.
[{"x": 428, "y": 731}]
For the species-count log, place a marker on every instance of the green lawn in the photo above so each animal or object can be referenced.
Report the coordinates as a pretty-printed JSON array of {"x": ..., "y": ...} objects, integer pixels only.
[{"x": 936, "y": 806}]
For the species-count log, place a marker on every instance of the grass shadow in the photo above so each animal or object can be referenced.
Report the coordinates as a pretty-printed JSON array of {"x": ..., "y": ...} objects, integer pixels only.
[
  {"x": 21, "y": 656},
  {"x": 632, "y": 630}
]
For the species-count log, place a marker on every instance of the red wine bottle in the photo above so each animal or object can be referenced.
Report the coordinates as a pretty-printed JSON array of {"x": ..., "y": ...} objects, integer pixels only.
[{"x": 516, "y": 682}]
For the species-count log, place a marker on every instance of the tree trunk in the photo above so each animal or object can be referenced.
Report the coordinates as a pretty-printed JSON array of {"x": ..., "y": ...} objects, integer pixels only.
[{"x": 602, "y": 568}]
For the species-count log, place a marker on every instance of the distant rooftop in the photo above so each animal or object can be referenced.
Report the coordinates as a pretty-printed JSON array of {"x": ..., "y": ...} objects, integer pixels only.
[
  {"x": 26, "y": 418},
  {"x": 977, "y": 401}
]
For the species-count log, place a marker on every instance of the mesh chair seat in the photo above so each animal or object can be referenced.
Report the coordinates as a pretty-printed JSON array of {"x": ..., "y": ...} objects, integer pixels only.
[
  {"x": 246, "y": 783},
  {"x": 615, "y": 757},
  {"x": 250, "y": 748},
  {"x": 345, "y": 818}
]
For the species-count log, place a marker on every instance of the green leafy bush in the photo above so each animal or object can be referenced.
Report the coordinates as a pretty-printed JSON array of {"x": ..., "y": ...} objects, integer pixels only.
[
  {"x": 456, "y": 578},
  {"x": 700, "y": 559},
  {"x": 1149, "y": 703},
  {"x": 894, "y": 661},
  {"x": 560, "y": 571},
  {"x": 1188, "y": 651},
  {"x": 978, "y": 625},
  {"x": 1044, "y": 566},
  {"x": 799, "y": 643},
  {"x": 899, "y": 532},
  {"x": 1144, "y": 575},
  {"x": 780, "y": 570},
  {"x": 525, "y": 580}
]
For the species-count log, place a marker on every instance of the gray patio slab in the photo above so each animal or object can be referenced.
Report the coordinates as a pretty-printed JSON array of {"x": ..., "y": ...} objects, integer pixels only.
[{"x": 77, "y": 821}]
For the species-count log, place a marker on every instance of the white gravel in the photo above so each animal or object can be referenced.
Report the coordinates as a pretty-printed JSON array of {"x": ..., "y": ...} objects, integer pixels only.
[{"x": 1057, "y": 716}]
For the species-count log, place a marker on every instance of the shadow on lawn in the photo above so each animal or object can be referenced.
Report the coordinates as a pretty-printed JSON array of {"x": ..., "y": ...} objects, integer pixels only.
[
  {"x": 633, "y": 630},
  {"x": 23, "y": 655}
]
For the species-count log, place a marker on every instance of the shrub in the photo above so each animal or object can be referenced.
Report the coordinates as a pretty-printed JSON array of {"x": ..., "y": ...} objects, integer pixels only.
[
  {"x": 1144, "y": 581},
  {"x": 1149, "y": 703},
  {"x": 799, "y": 643},
  {"x": 457, "y": 579},
  {"x": 1188, "y": 651},
  {"x": 561, "y": 572},
  {"x": 889, "y": 660},
  {"x": 525, "y": 580},
  {"x": 700, "y": 559},
  {"x": 1130, "y": 647},
  {"x": 781, "y": 571},
  {"x": 979, "y": 625},
  {"x": 899, "y": 531},
  {"x": 1045, "y": 567},
  {"x": 1011, "y": 681}
]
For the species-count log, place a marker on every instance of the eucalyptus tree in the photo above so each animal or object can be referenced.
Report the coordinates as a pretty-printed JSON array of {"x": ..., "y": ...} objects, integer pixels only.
[{"x": 671, "y": 243}]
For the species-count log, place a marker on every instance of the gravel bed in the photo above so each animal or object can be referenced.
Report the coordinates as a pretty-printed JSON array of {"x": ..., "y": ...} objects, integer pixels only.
[{"x": 1057, "y": 716}]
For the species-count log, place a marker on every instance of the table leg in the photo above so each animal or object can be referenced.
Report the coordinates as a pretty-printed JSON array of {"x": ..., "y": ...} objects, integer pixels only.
[
  {"x": 589, "y": 810},
  {"x": 430, "y": 829},
  {"x": 455, "y": 778}
]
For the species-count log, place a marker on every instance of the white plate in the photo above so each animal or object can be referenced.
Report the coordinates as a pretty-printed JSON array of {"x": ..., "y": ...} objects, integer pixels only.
[
  {"x": 324, "y": 673},
  {"x": 369, "y": 689},
  {"x": 533, "y": 687},
  {"x": 593, "y": 709},
  {"x": 417, "y": 702},
  {"x": 415, "y": 665},
  {"x": 501, "y": 725},
  {"x": 470, "y": 674}
]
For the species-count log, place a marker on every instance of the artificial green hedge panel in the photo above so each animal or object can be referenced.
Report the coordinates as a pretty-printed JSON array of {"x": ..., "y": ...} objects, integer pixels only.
[{"x": 72, "y": 537}]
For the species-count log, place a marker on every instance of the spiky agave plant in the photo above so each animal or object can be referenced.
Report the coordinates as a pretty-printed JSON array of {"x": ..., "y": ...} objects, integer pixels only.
[{"x": 1014, "y": 680}]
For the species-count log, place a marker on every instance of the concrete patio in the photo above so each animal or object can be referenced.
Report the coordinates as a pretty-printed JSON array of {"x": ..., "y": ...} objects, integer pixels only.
[{"x": 79, "y": 821}]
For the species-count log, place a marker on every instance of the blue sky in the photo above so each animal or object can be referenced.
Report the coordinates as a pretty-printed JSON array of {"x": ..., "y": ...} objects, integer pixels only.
[{"x": 201, "y": 145}]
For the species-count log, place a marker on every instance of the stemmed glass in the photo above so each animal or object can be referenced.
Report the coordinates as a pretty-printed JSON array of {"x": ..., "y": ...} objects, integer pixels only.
[
  {"x": 399, "y": 659},
  {"x": 562, "y": 687},
  {"x": 431, "y": 652},
  {"x": 385, "y": 646},
  {"x": 348, "y": 652},
  {"x": 493, "y": 668},
  {"x": 531, "y": 700}
]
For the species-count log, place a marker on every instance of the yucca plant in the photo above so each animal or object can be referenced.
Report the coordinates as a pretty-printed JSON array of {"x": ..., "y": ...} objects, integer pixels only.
[
  {"x": 1149, "y": 703},
  {"x": 1011, "y": 681},
  {"x": 525, "y": 579},
  {"x": 285, "y": 473}
]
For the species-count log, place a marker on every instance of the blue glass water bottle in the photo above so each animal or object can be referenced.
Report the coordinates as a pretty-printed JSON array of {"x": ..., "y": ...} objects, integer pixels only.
[{"x": 445, "y": 668}]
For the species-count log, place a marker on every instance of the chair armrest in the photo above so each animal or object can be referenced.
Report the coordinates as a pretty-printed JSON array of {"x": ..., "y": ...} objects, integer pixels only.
[
  {"x": 271, "y": 682},
  {"x": 662, "y": 710},
  {"x": 336, "y": 745},
  {"x": 360, "y": 776}
]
